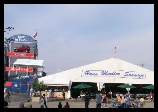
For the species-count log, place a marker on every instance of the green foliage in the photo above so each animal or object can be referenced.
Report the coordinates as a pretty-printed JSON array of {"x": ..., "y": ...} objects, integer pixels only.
[{"x": 38, "y": 86}]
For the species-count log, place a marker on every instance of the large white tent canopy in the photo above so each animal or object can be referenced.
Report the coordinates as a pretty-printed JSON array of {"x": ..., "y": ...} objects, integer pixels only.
[
  {"x": 117, "y": 71},
  {"x": 29, "y": 62}
]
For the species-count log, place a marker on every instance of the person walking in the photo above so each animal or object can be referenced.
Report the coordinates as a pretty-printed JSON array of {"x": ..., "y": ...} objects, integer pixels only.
[
  {"x": 110, "y": 94},
  {"x": 127, "y": 101},
  {"x": 86, "y": 99},
  {"x": 28, "y": 91},
  {"x": 122, "y": 102},
  {"x": 117, "y": 102},
  {"x": 142, "y": 102},
  {"x": 59, "y": 105},
  {"x": 105, "y": 101},
  {"x": 31, "y": 92},
  {"x": 63, "y": 93},
  {"x": 98, "y": 99},
  {"x": 50, "y": 93},
  {"x": 8, "y": 96},
  {"x": 5, "y": 89},
  {"x": 136, "y": 102},
  {"x": 153, "y": 97},
  {"x": 46, "y": 96},
  {"x": 150, "y": 96},
  {"x": 41, "y": 102},
  {"x": 45, "y": 102}
]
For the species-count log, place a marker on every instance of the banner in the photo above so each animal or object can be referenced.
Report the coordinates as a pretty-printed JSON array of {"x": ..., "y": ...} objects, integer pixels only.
[
  {"x": 106, "y": 73},
  {"x": 19, "y": 69},
  {"x": 22, "y": 38},
  {"x": 20, "y": 54}
]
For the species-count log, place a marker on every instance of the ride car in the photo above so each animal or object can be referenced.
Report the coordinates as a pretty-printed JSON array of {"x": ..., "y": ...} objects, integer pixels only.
[{"x": 23, "y": 48}]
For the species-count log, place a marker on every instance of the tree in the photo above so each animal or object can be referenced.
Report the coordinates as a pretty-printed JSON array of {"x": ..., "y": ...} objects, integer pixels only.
[{"x": 38, "y": 86}]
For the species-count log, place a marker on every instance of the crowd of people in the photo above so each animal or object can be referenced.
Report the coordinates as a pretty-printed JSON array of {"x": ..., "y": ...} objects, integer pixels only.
[
  {"x": 101, "y": 100},
  {"x": 121, "y": 101}
]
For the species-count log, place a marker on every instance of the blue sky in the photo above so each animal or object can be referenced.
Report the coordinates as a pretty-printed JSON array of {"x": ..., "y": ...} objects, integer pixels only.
[{"x": 73, "y": 35}]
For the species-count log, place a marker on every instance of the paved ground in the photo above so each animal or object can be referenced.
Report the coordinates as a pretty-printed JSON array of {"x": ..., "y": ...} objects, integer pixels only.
[{"x": 73, "y": 104}]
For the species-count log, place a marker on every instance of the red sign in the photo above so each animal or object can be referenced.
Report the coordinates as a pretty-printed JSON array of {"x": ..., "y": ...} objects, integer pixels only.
[
  {"x": 20, "y": 54},
  {"x": 7, "y": 83},
  {"x": 19, "y": 69}
]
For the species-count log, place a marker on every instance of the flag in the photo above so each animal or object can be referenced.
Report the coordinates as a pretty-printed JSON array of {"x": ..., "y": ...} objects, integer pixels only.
[
  {"x": 35, "y": 35},
  {"x": 114, "y": 49}
]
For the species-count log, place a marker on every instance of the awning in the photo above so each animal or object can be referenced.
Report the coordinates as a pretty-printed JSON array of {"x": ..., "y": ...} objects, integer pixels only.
[
  {"x": 21, "y": 62},
  {"x": 29, "y": 62}
]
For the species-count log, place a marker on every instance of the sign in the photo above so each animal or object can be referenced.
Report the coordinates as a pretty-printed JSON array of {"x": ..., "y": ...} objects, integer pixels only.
[
  {"x": 19, "y": 69},
  {"x": 20, "y": 54},
  {"x": 105, "y": 73},
  {"x": 7, "y": 83},
  {"x": 22, "y": 38}
]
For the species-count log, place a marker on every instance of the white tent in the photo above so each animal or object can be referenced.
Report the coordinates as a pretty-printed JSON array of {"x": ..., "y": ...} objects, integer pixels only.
[
  {"x": 52, "y": 80},
  {"x": 29, "y": 62},
  {"x": 112, "y": 70}
]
